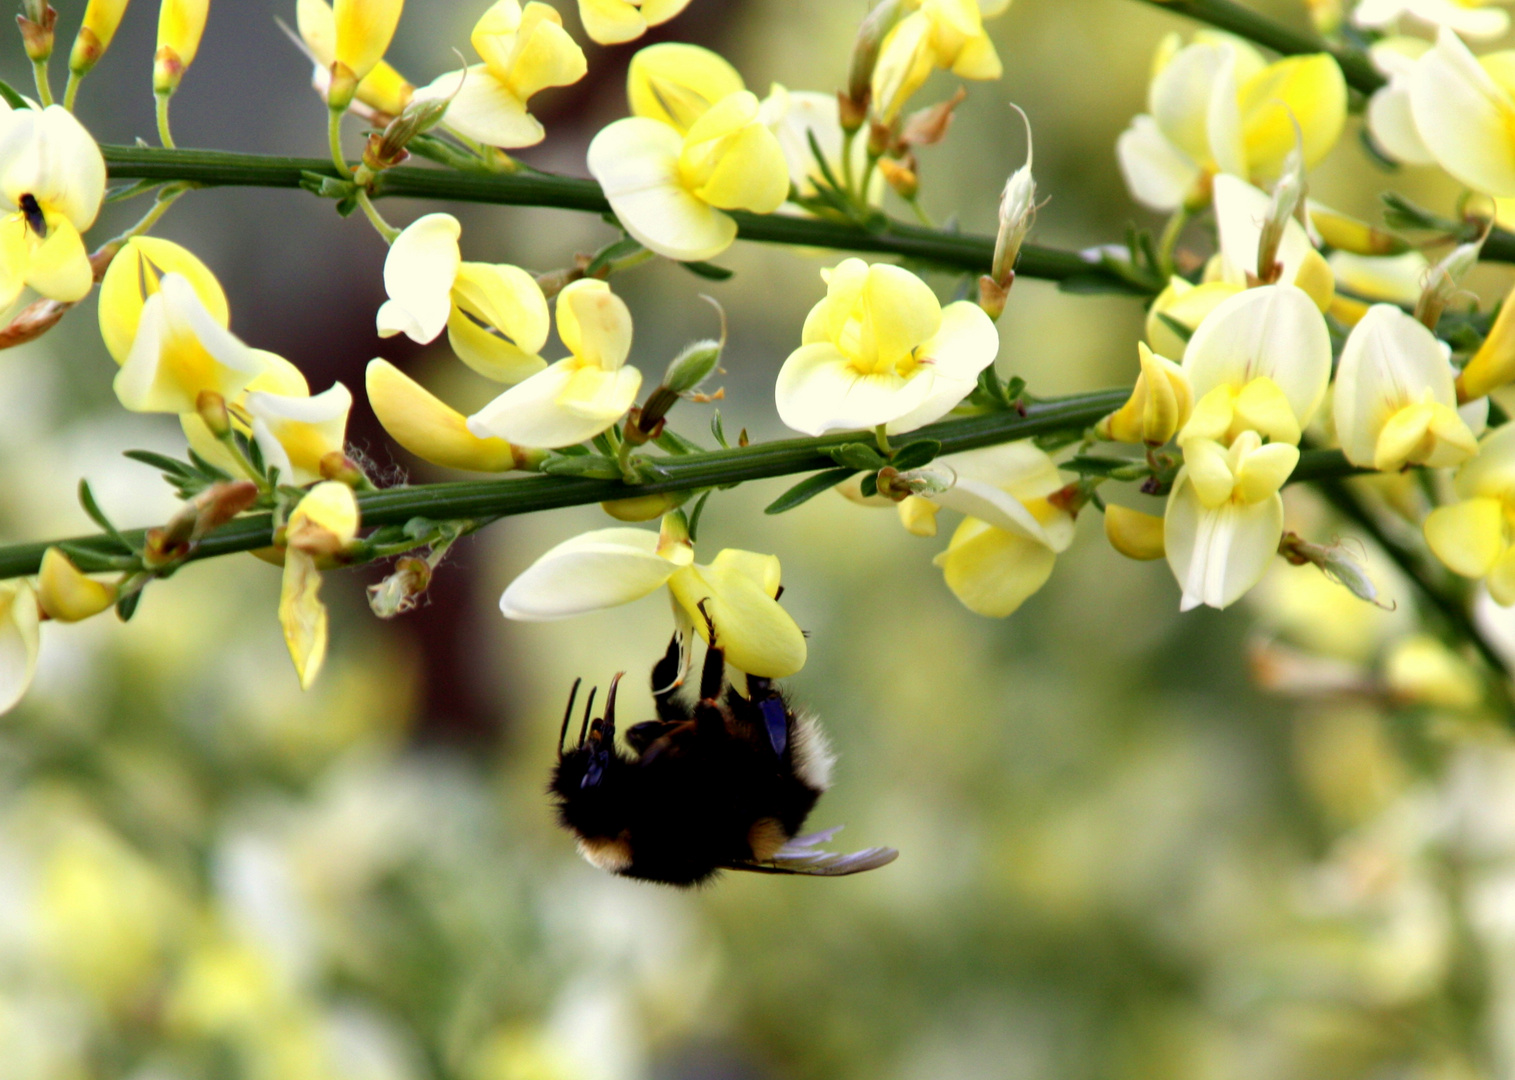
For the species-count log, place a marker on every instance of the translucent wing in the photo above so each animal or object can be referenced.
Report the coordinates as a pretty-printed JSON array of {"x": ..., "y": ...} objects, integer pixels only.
[{"x": 802, "y": 855}]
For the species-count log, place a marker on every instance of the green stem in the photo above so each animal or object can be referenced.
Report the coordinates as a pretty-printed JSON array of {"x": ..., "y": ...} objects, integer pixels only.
[
  {"x": 956, "y": 251},
  {"x": 166, "y": 199},
  {"x": 334, "y": 142},
  {"x": 1228, "y": 15},
  {"x": 44, "y": 87},
  {"x": 1168, "y": 242},
  {"x": 848, "y": 173},
  {"x": 920, "y": 213},
  {"x": 376, "y": 219},
  {"x": 71, "y": 89},
  {"x": 165, "y": 136}
]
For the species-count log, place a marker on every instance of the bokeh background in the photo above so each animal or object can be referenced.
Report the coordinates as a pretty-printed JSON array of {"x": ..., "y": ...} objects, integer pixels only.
[{"x": 1120, "y": 858}]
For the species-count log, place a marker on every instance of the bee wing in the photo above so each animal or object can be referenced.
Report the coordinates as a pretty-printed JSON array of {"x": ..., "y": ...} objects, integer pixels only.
[{"x": 802, "y": 855}]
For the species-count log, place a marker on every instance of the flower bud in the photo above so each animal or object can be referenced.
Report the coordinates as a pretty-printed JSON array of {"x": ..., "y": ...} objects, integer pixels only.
[
  {"x": 66, "y": 594},
  {"x": 398, "y": 592},
  {"x": 901, "y": 176},
  {"x": 693, "y": 366},
  {"x": 101, "y": 18},
  {"x": 180, "y": 26},
  {"x": 1134, "y": 534},
  {"x": 36, "y": 22},
  {"x": 1159, "y": 405},
  {"x": 1017, "y": 212},
  {"x": 388, "y": 148},
  {"x": 870, "y": 37},
  {"x": 435, "y": 432},
  {"x": 1444, "y": 280},
  {"x": 1288, "y": 196},
  {"x": 211, "y": 408}
]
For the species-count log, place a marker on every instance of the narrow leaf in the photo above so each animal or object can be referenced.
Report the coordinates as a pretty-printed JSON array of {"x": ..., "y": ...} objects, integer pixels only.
[
  {"x": 916, "y": 454},
  {"x": 160, "y": 462},
  {"x": 92, "y": 508},
  {"x": 808, "y": 489},
  {"x": 708, "y": 271},
  {"x": 694, "y": 516},
  {"x": 857, "y": 456}
]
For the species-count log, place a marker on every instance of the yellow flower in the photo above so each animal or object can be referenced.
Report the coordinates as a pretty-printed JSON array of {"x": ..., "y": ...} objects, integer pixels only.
[
  {"x": 363, "y": 30},
  {"x": 52, "y": 182},
  {"x": 609, "y": 567},
  {"x": 19, "y": 639},
  {"x": 1216, "y": 107},
  {"x": 695, "y": 147},
  {"x": 523, "y": 53},
  {"x": 1260, "y": 361},
  {"x": 66, "y": 594},
  {"x": 1134, "y": 534},
  {"x": 181, "y": 23},
  {"x": 946, "y": 34},
  {"x": 180, "y": 351},
  {"x": 613, "y": 22},
  {"x": 321, "y": 526},
  {"x": 134, "y": 275},
  {"x": 1159, "y": 405},
  {"x": 1462, "y": 108},
  {"x": 495, "y": 315},
  {"x": 431, "y": 430},
  {"x": 294, "y": 432},
  {"x": 1394, "y": 403},
  {"x": 1005, "y": 548},
  {"x": 383, "y": 88},
  {"x": 1473, "y": 536},
  {"x": 880, "y": 349},
  {"x": 577, "y": 397},
  {"x": 1225, "y": 517}
]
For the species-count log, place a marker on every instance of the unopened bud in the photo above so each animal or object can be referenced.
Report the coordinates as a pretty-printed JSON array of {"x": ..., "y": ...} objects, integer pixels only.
[
  {"x": 1017, "y": 213},
  {"x": 898, "y": 486},
  {"x": 36, "y": 22},
  {"x": 219, "y": 503},
  {"x": 901, "y": 176},
  {"x": 211, "y": 408},
  {"x": 338, "y": 466},
  {"x": 65, "y": 594},
  {"x": 388, "y": 148},
  {"x": 928, "y": 126},
  {"x": 992, "y": 295},
  {"x": 1288, "y": 197},
  {"x": 101, "y": 18},
  {"x": 865, "y": 49},
  {"x": 879, "y": 139},
  {"x": 168, "y": 71},
  {"x": 852, "y": 114},
  {"x": 342, "y": 88},
  {"x": 1444, "y": 280},
  {"x": 398, "y": 592},
  {"x": 693, "y": 366},
  {"x": 1134, "y": 534},
  {"x": 1336, "y": 562}
]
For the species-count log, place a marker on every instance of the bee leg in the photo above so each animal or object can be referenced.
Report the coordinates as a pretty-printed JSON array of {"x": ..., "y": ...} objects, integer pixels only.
[
  {"x": 666, "y": 682},
  {"x": 713, "y": 674},
  {"x": 771, "y": 708},
  {"x": 567, "y": 716}
]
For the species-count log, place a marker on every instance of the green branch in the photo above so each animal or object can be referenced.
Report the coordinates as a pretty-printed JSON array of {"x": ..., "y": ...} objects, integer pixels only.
[
  {"x": 956, "y": 251},
  {"x": 1243, "y": 22}
]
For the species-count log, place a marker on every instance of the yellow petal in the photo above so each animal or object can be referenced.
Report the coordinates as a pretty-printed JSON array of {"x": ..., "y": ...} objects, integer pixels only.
[
  {"x": 364, "y": 29},
  {"x": 1493, "y": 365},
  {"x": 19, "y": 641},
  {"x": 296, "y": 433},
  {"x": 611, "y": 22},
  {"x": 736, "y": 591},
  {"x": 732, "y": 161},
  {"x": 1134, "y": 534},
  {"x": 675, "y": 83},
  {"x": 181, "y": 23},
  {"x": 594, "y": 323},
  {"x": 1209, "y": 472},
  {"x": 1421, "y": 669},
  {"x": 508, "y": 300},
  {"x": 590, "y": 572},
  {"x": 428, "y": 428},
  {"x": 1262, "y": 406},
  {"x": 59, "y": 266},
  {"x": 134, "y": 274},
  {"x": 918, "y": 515},
  {"x": 991, "y": 571},
  {"x": 68, "y": 595},
  {"x": 1468, "y": 537},
  {"x": 1307, "y": 90},
  {"x": 303, "y": 616},
  {"x": 545, "y": 55},
  {"x": 1264, "y": 471}
]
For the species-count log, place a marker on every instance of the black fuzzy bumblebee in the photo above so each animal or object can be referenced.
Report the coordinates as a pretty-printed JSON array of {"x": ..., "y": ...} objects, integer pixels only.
[{"x": 724, "y": 785}]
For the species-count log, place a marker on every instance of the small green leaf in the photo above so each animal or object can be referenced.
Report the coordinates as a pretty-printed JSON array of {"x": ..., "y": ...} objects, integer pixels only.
[
  {"x": 857, "y": 456},
  {"x": 694, "y": 516},
  {"x": 92, "y": 508},
  {"x": 126, "y": 607},
  {"x": 162, "y": 463},
  {"x": 603, "y": 445},
  {"x": 914, "y": 455},
  {"x": 708, "y": 271},
  {"x": 609, "y": 254},
  {"x": 418, "y": 527},
  {"x": 808, "y": 489},
  {"x": 675, "y": 443},
  {"x": 206, "y": 469},
  {"x": 91, "y": 561},
  {"x": 718, "y": 430},
  {"x": 255, "y": 457},
  {"x": 870, "y": 485},
  {"x": 13, "y": 99},
  {"x": 993, "y": 389},
  {"x": 590, "y": 465}
]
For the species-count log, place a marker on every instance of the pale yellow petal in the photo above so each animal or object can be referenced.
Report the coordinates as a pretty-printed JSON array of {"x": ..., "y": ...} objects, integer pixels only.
[{"x": 427, "y": 427}]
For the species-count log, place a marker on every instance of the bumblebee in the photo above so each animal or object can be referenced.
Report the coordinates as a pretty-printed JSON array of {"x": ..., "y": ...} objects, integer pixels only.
[{"x": 723, "y": 785}]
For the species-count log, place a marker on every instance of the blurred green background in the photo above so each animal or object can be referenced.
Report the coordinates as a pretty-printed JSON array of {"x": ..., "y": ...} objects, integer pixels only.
[{"x": 1118, "y": 858}]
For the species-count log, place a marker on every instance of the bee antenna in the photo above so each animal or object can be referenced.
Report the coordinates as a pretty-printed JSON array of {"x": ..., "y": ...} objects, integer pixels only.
[
  {"x": 567, "y": 716},
  {"x": 609, "y": 729},
  {"x": 588, "y": 708}
]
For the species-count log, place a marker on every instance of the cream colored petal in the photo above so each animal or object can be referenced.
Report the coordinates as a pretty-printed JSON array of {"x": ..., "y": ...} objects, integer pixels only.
[
  {"x": 1395, "y": 278},
  {"x": 1299, "y": 100},
  {"x": 419, "y": 272},
  {"x": 19, "y": 641},
  {"x": 966, "y": 344},
  {"x": 675, "y": 83},
  {"x": 1228, "y": 145},
  {"x": 591, "y": 572},
  {"x": 993, "y": 506},
  {"x": 599, "y": 395},
  {"x": 1463, "y": 117},
  {"x": 1274, "y": 331},
  {"x": 1392, "y": 122},
  {"x": 993, "y": 572},
  {"x": 1021, "y": 468},
  {"x": 1158, "y": 174},
  {"x": 657, "y": 12},
  {"x": 1217, "y": 555},
  {"x": 1240, "y": 212},
  {"x": 72, "y": 178},
  {"x": 491, "y": 355},
  {"x": 484, "y": 109},
  {"x": 636, "y": 162},
  {"x": 1179, "y": 98},
  {"x": 819, "y": 391},
  {"x": 318, "y": 29},
  {"x": 595, "y": 323},
  {"x": 529, "y": 413},
  {"x": 15, "y": 253},
  {"x": 149, "y": 258},
  {"x": 297, "y": 432},
  {"x": 1390, "y": 360},
  {"x": 1485, "y": 23}
]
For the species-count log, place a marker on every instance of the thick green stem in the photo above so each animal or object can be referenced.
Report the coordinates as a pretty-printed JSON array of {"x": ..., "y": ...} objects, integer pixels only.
[
  {"x": 1244, "y": 22},
  {"x": 956, "y": 251}
]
